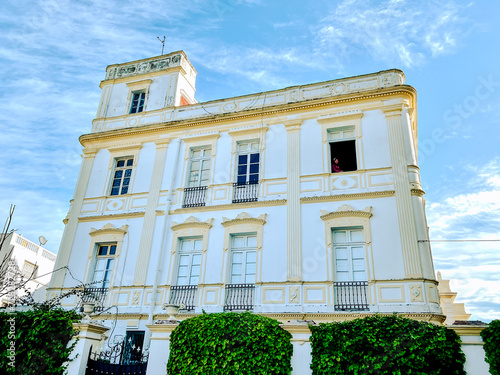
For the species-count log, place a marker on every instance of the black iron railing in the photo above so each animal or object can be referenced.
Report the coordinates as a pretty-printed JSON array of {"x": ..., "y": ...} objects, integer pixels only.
[
  {"x": 183, "y": 294},
  {"x": 350, "y": 295},
  {"x": 239, "y": 297},
  {"x": 95, "y": 295},
  {"x": 194, "y": 196},
  {"x": 245, "y": 191},
  {"x": 111, "y": 361}
]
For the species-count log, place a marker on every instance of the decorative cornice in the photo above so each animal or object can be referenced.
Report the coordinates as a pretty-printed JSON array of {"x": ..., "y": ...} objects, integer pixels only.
[
  {"x": 342, "y": 197},
  {"x": 346, "y": 211},
  {"x": 393, "y": 109},
  {"x": 108, "y": 229},
  {"x": 230, "y": 206},
  {"x": 142, "y": 83},
  {"x": 192, "y": 222},
  {"x": 198, "y": 137},
  {"x": 248, "y": 130},
  {"x": 466, "y": 330},
  {"x": 417, "y": 192},
  {"x": 244, "y": 218},
  {"x": 143, "y": 66},
  {"x": 341, "y": 116},
  {"x": 127, "y": 215},
  {"x": 248, "y": 114}
]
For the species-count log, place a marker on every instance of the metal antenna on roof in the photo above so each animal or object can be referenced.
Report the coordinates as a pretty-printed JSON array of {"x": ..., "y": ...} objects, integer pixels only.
[{"x": 162, "y": 43}]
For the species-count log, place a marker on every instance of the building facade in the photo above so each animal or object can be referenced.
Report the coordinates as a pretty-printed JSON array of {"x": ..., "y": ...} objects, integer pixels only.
[
  {"x": 25, "y": 268},
  {"x": 298, "y": 203}
]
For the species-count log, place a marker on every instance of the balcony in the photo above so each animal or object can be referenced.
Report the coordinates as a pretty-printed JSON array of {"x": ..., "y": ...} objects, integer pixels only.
[
  {"x": 245, "y": 191},
  {"x": 194, "y": 196},
  {"x": 183, "y": 294},
  {"x": 95, "y": 295},
  {"x": 350, "y": 295},
  {"x": 239, "y": 297}
]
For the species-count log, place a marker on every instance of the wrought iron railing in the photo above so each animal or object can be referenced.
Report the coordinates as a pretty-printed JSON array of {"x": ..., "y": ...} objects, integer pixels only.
[
  {"x": 118, "y": 359},
  {"x": 95, "y": 295},
  {"x": 239, "y": 297},
  {"x": 183, "y": 294},
  {"x": 245, "y": 191},
  {"x": 194, "y": 196},
  {"x": 350, "y": 295}
]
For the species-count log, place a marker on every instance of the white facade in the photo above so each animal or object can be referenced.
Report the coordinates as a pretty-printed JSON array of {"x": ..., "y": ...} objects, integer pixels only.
[
  {"x": 33, "y": 262},
  {"x": 234, "y": 204}
]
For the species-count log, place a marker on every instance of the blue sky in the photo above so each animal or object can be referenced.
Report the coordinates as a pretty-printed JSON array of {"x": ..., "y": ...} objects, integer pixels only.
[{"x": 54, "y": 54}]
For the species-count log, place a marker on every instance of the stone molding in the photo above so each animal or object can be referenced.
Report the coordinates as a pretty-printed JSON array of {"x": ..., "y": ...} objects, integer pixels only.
[
  {"x": 244, "y": 218},
  {"x": 191, "y": 222},
  {"x": 346, "y": 211}
]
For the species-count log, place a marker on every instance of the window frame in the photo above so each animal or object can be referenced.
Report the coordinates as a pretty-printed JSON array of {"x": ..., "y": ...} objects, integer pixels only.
[
  {"x": 104, "y": 283},
  {"x": 137, "y": 87},
  {"x": 244, "y": 251},
  {"x": 191, "y": 253},
  {"x": 248, "y": 153},
  {"x": 123, "y": 168},
  {"x": 106, "y": 235},
  {"x": 334, "y": 122},
  {"x": 349, "y": 245},
  {"x": 141, "y": 102},
  {"x": 201, "y": 159}
]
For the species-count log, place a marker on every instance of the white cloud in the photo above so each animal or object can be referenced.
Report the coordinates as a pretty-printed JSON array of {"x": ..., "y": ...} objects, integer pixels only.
[
  {"x": 473, "y": 213},
  {"x": 398, "y": 32}
]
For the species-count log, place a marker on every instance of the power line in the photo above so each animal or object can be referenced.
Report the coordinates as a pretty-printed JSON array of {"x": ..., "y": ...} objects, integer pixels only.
[{"x": 468, "y": 240}]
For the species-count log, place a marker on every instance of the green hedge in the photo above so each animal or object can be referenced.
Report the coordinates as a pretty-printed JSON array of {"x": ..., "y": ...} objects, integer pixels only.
[
  {"x": 230, "y": 343},
  {"x": 385, "y": 345},
  {"x": 491, "y": 338},
  {"x": 36, "y": 342}
]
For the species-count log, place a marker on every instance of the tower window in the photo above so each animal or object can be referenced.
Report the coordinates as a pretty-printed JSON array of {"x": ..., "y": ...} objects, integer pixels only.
[
  {"x": 343, "y": 148},
  {"x": 137, "y": 102}
]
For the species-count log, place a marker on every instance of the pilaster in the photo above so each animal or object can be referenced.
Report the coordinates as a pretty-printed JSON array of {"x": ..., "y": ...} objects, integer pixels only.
[
  {"x": 146, "y": 241},
  {"x": 294, "y": 235},
  {"x": 72, "y": 219},
  {"x": 402, "y": 187},
  {"x": 89, "y": 338}
]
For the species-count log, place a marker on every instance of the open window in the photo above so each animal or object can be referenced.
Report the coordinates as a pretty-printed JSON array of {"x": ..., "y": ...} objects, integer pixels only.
[{"x": 342, "y": 150}]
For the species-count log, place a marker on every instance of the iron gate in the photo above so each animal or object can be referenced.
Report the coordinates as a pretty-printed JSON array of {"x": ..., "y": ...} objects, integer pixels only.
[{"x": 123, "y": 358}]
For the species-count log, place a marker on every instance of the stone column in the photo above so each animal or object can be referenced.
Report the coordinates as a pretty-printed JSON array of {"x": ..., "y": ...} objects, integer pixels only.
[
  {"x": 148, "y": 226},
  {"x": 404, "y": 206},
  {"x": 293, "y": 217},
  {"x": 89, "y": 338},
  {"x": 472, "y": 346},
  {"x": 159, "y": 349},
  {"x": 72, "y": 220},
  {"x": 301, "y": 358}
]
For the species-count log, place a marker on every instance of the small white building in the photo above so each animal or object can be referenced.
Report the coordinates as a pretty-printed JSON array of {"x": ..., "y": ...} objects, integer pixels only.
[
  {"x": 238, "y": 204},
  {"x": 29, "y": 260}
]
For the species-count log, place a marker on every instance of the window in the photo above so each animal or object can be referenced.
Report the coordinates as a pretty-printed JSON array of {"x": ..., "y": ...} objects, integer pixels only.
[
  {"x": 104, "y": 265},
  {"x": 350, "y": 287},
  {"x": 199, "y": 169},
  {"x": 137, "y": 101},
  {"x": 122, "y": 175},
  {"x": 243, "y": 259},
  {"x": 29, "y": 270},
  {"x": 132, "y": 348},
  {"x": 188, "y": 272},
  {"x": 248, "y": 163},
  {"x": 349, "y": 252},
  {"x": 343, "y": 148}
]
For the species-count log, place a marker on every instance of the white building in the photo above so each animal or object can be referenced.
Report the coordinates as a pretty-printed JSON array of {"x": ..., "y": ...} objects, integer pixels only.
[
  {"x": 29, "y": 260},
  {"x": 234, "y": 204}
]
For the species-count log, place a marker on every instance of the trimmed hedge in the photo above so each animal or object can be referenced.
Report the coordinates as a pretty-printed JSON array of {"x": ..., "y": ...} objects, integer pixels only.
[
  {"x": 36, "y": 342},
  {"x": 385, "y": 345},
  {"x": 491, "y": 338},
  {"x": 230, "y": 343}
]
